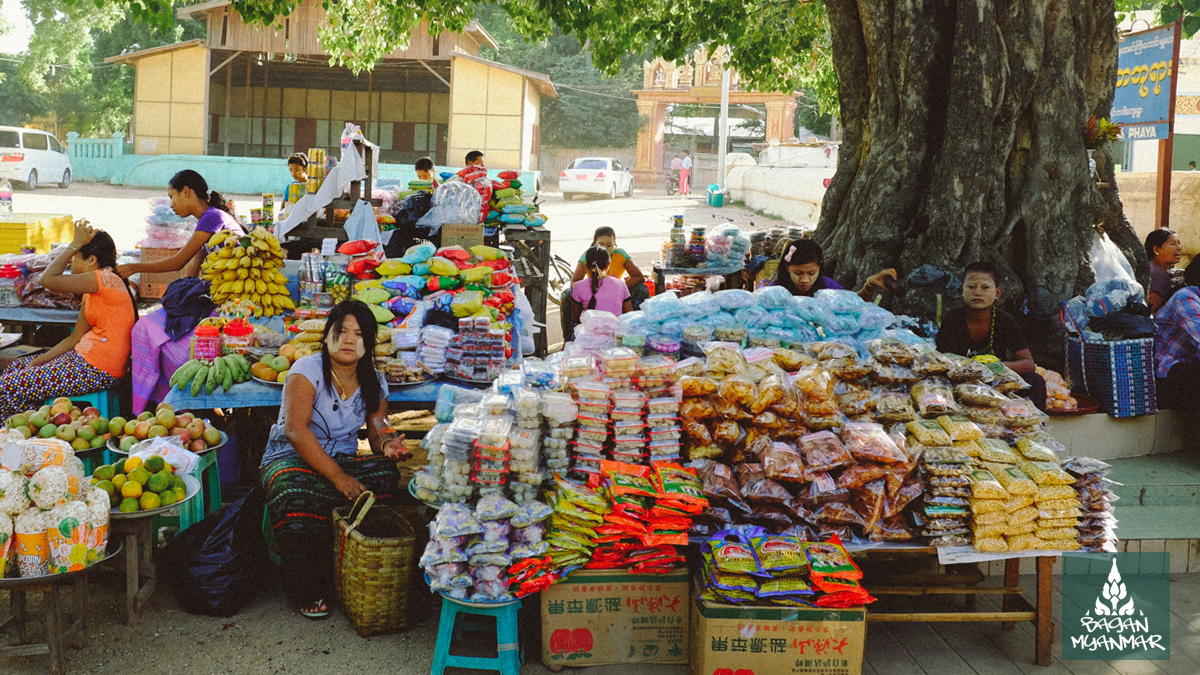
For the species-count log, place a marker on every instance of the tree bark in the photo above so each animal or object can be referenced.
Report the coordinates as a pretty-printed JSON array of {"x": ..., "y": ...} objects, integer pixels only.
[{"x": 964, "y": 140}]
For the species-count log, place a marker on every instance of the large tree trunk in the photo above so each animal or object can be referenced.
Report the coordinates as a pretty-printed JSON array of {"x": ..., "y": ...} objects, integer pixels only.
[{"x": 964, "y": 141}]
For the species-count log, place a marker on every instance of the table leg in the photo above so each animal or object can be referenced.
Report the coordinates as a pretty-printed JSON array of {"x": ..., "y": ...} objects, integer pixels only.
[
  {"x": 660, "y": 283},
  {"x": 81, "y": 605},
  {"x": 17, "y": 634},
  {"x": 1012, "y": 577},
  {"x": 131, "y": 577},
  {"x": 54, "y": 630},
  {"x": 1045, "y": 610}
]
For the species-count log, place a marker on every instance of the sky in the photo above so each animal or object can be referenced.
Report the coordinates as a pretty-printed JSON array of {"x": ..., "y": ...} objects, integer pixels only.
[{"x": 17, "y": 38}]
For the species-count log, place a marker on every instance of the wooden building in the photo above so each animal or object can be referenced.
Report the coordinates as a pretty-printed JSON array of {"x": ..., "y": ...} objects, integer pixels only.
[{"x": 254, "y": 91}]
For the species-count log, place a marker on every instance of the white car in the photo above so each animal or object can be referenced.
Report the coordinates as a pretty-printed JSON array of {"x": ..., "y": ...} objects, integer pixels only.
[
  {"x": 597, "y": 176},
  {"x": 32, "y": 156}
]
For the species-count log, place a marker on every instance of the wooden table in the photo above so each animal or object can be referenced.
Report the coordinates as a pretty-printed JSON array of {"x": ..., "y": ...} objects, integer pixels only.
[
  {"x": 965, "y": 579},
  {"x": 731, "y": 273},
  {"x": 139, "y": 563},
  {"x": 57, "y": 631}
]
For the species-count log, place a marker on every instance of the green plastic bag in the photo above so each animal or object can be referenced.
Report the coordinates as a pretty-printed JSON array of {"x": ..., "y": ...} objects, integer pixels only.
[
  {"x": 382, "y": 315},
  {"x": 477, "y": 275},
  {"x": 442, "y": 267},
  {"x": 486, "y": 252}
]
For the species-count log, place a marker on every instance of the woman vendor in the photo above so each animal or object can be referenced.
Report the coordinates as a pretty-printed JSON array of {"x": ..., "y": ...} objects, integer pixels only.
[
  {"x": 1177, "y": 348},
  {"x": 982, "y": 330},
  {"x": 800, "y": 272},
  {"x": 96, "y": 354},
  {"x": 1164, "y": 250},
  {"x": 158, "y": 352},
  {"x": 311, "y": 463}
]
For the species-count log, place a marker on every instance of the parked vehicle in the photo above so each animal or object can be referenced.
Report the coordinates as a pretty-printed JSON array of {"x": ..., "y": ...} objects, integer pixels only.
[
  {"x": 32, "y": 156},
  {"x": 672, "y": 182},
  {"x": 597, "y": 176}
]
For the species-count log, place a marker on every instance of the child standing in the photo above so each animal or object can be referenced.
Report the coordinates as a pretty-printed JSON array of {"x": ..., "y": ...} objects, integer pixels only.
[
  {"x": 424, "y": 169},
  {"x": 298, "y": 167},
  {"x": 599, "y": 290},
  {"x": 980, "y": 329}
]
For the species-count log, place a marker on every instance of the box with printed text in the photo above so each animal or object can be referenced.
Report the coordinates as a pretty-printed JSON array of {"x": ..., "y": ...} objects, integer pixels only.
[
  {"x": 733, "y": 640},
  {"x": 601, "y": 617}
]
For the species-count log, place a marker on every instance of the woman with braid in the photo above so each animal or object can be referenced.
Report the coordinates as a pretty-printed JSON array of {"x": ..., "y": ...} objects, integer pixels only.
[{"x": 598, "y": 290}]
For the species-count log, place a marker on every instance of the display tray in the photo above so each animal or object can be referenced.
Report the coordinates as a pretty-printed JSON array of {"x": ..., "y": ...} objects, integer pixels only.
[
  {"x": 412, "y": 490},
  {"x": 262, "y": 381},
  {"x": 1085, "y": 405},
  {"x": 409, "y": 385},
  {"x": 115, "y": 447},
  {"x": 193, "y": 489},
  {"x": 115, "y": 544},
  {"x": 468, "y": 603},
  {"x": 463, "y": 380}
]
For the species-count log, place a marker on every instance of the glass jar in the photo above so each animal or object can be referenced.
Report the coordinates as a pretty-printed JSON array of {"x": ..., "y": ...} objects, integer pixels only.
[
  {"x": 9, "y": 274},
  {"x": 206, "y": 343}
]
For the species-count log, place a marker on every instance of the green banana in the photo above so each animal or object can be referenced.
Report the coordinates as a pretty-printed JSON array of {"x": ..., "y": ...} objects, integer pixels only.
[
  {"x": 243, "y": 367},
  {"x": 228, "y": 381},
  {"x": 198, "y": 379},
  {"x": 183, "y": 374},
  {"x": 210, "y": 382},
  {"x": 219, "y": 367},
  {"x": 190, "y": 375}
]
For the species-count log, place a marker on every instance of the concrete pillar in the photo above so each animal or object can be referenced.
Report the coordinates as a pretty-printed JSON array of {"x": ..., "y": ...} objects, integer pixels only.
[
  {"x": 781, "y": 119},
  {"x": 650, "y": 141}
]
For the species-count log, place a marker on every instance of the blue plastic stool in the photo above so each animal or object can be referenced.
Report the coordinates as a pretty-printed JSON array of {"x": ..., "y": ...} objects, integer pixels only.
[
  {"x": 508, "y": 645},
  {"x": 105, "y": 401},
  {"x": 209, "y": 499}
]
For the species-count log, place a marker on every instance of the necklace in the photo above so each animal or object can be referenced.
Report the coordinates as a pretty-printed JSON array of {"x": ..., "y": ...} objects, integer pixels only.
[{"x": 341, "y": 390}]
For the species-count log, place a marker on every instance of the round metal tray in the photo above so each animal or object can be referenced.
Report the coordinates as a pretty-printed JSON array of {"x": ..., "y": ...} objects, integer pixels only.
[
  {"x": 193, "y": 489},
  {"x": 112, "y": 445},
  {"x": 115, "y": 545},
  {"x": 262, "y": 381}
]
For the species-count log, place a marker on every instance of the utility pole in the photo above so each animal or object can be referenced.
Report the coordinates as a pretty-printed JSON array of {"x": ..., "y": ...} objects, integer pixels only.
[{"x": 724, "y": 130}]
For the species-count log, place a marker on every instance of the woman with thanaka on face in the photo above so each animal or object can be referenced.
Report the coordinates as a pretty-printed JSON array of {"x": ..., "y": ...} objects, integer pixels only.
[
  {"x": 1164, "y": 250},
  {"x": 311, "y": 464},
  {"x": 800, "y": 272},
  {"x": 981, "y": 329}
]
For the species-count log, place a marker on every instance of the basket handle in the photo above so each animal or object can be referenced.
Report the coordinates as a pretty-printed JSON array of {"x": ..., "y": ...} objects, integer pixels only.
[{"x": 362, "y": 505}]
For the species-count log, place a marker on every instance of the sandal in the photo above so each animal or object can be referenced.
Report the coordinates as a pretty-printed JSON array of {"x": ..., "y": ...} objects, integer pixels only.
[{"x": 321, "y": 611}]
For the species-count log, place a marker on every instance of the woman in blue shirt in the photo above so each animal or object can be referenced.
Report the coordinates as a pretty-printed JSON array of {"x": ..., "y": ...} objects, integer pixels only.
[{"x": 311, "y": 463}]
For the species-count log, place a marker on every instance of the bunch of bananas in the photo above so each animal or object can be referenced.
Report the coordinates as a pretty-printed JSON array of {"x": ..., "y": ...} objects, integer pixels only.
[
  {"x": 206, "y": 376},
  {"x": 246, "y": 267}
]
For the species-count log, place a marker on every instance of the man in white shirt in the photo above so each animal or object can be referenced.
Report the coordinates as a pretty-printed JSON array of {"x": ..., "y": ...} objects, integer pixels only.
[
  {"x": 676, "y": 163},
  {"x": 685, "y": 171}
]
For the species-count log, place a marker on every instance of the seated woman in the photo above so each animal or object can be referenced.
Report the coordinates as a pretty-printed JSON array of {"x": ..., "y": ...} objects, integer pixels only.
[
  {"x": 1177, "y": 348},
  {"x": 800, "y": 272},
  {"x": 619, "y": 265},
  {"x": 980, "y": 329},
  {"x": 311, "y": 463},
  {"x": 157, "y": 353},
  {"x": 96, "y": 354},
  {"x": 1164, "y": 250},
  {"x": 599, "y": 290}
]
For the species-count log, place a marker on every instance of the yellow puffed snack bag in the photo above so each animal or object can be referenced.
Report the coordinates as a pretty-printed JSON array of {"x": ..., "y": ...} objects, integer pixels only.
[
  {"x": 1025, "y": 515},
  {"x": 1036, "y": 452},
  {"x": 984, "y": 531},
  {"x": 1045, "y": 473},
  {"x": 1014, "y": 529},
  {"x": 985, "y": 486},
  {"x": 990, "y": 518},
  {"x": 1048, "y": 493},
  {"x": 991, "y": 544},
  {"x": 996, "y": 450},
  {"x": 1018, "y": 502},
  {"x": 928, "y": 433},
  {"x": 1056, "y": 533},
  {"x": 1013, "y": 479},
  {"x": 1023, "y": 542},
  {"x": 981, "y": 506},
  {"x": 960, "y": 428},
  {"x": 1051, "y": 523}
]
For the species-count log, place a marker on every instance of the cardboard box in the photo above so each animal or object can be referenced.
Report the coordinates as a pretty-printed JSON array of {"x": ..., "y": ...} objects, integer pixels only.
[
  {"x": 465, "y": 235},
  {"x": 732, "y": 640},
  {"x": 153, "y": 285},
  {"x": 601, "y": 617}
]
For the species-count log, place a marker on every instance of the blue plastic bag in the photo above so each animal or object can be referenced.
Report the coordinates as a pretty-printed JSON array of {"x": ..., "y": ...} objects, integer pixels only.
[
  {"x": 418, "y": 253},
  {"x": 840, "y": 300},
  {"x": 810, "y": 310},
  {"x": 874, "y": 317},
  {"x": 734, "y": 298},
  {"x": 753, "y": 317},
  {"x": 773, "y": 297},
  {"x": 701, "y": 304},
  {"x": 663, "y": 307}
]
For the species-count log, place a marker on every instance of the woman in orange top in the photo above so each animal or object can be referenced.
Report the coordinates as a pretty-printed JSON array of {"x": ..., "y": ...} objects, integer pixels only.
[{"x": 96, "y": 354}]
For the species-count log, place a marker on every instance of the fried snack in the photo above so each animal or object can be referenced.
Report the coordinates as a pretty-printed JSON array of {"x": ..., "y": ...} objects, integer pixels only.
[
  {"x": 893, "y": 406},
  {"x": 980, "y": 395},
  {"x": 929, "y": 362},
  {"x": 993, "y": 450},
  {"x": 928, "y": 433},
  {"x": 725, "y": 358},
  {"x": 1036, "y": 451},
  {"x": 823, "y": 451},
  {"x": 892, "y": 351},
  {"x": 1045, "y": 473},
  {"x": 985, "y": 486},
  {"x": 934, "y": 397},
  {"x": 697, "y": 409},
  {"x": 1015, "y": 481},
  {"x": 1048, "y": 493},
  {"x": 991, "y": 544},
  {"x": 792, "y": 360},
  {"x": 960, "y": 428},
  {"x": 770, "y": 391},
  {"x": 869, "y": 442},
  {"x": 1023, "y": 542},
  {"x": 697, "y": 386},
  {"x": 967, "y": 370}
]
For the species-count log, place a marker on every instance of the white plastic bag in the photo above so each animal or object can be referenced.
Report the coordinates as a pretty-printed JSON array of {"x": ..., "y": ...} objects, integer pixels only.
[
  {"x": 171, "y": 449},
  {"x": 453, "y": 202},
  {"x": 1109, "y": 263},
  {"x": 362, "y": 224}
]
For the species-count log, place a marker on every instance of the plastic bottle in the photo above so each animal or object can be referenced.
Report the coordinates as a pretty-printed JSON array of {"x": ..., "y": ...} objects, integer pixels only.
[
  {"x": 9, "y": 274},
  {"x": 6, "y": 202}
]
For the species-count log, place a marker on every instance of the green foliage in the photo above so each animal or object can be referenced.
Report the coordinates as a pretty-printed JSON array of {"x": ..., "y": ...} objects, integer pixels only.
[
  {"x": 591, "y": 110},
  {"x": 19, "y": 103},
  {"x": 64, "y": 62},
  {"x": 1186, "y": 11}
]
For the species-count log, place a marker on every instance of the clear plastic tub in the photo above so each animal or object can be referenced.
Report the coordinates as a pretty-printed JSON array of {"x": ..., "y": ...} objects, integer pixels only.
[
  {"x": 628, "y": 398},
  {"x": 496, "y": 404},
  {"x": 593, "y": 435},
  {"x": 494, "y": 431},
  {"x": 588, "y": 448},
  {"x": 662, "y": 420},
  {"x": 628, "y": 414},
  {"x": 618, "y": 358},
  {"x": 578, "y": 366},
  {"x": 593, "y": 390},
  {"x": 664, "y": 404},
  {"x": 527, "y": 401}
]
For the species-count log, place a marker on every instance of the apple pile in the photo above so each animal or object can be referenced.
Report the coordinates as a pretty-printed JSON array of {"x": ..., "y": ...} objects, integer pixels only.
[
  {"x": 195, "y": 434},
  {"x": 276, "y": 368},
  {"x": 62, "y": 419}
]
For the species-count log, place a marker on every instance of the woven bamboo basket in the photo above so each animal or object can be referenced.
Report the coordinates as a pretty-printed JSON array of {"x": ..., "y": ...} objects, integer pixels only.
[{"x": 374, "y": 565}]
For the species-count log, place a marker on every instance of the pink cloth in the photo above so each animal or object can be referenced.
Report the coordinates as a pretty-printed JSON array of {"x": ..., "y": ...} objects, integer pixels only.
[
  {"x": 610, "y": 298},
  {"x": 684, "y": 188},
  {"x": 155, "y": 358}
]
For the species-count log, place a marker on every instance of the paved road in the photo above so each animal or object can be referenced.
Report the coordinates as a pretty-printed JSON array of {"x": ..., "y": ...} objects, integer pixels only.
[{"x": 641, "y": 223}]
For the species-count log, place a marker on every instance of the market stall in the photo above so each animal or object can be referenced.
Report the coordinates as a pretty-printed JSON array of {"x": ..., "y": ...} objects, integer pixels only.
[{"x": 820, "y": 433}]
